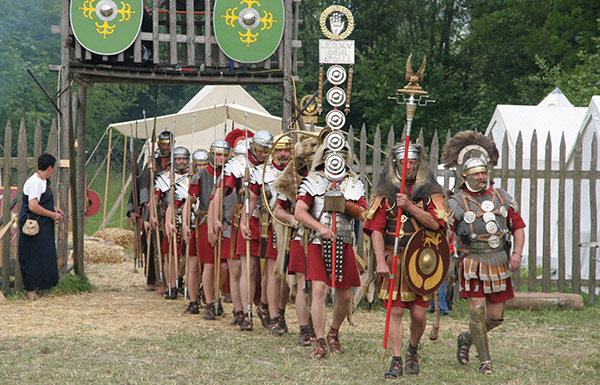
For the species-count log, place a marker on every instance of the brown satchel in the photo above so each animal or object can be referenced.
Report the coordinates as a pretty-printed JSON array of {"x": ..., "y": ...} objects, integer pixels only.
[{"x": 31, "y": 227}]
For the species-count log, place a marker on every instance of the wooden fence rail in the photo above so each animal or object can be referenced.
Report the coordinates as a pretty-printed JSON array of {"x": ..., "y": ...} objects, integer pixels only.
[
  {"x": 22, "y": 167},
  {"x": 558, "y": 200}
]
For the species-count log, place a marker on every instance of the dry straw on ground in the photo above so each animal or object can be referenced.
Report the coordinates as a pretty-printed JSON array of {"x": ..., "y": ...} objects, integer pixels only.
[
  {"x": 121, "y": 237},
  {"x": 100, "y": 251}
]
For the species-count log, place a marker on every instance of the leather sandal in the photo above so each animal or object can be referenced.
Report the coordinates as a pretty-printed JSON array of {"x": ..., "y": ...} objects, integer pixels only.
[
  {"x": 238, "y": 317},
  {"x": 333, "y": 341},
  {"x": 304, "y": 337},
  {"x": 282, "y": 322},
  {"x": 395, "y": 369},
  {"x": 275, "y": 327},
  {"x": 209, "y": 312},
  {"x": 192, "y": 308},
  {"x": 412, "y": 360},
  {"x": 320, "y": 349},
  {"x": 486, "y": 367},
  {"x": 263, "y": 313},
  {"x": 246, "y": 324},
  {"x": 462, "y": 349}
]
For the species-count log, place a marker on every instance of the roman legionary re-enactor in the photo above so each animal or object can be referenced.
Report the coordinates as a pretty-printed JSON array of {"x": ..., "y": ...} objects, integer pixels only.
[
  {"x": 162, "y": 158},
  {"x": 329, "y": 200},
  {"x": 268, "y": 309},
  {"x": 482, "y": 218},
  {"x": 423, "y": 208},
  {"x": 201, "y": 189},
  {"x": 286, "y": 187},
  {"x": 230, "y": 225},
  {"x": 162, "y": 187},
  {"x": 233, "y": 179}
]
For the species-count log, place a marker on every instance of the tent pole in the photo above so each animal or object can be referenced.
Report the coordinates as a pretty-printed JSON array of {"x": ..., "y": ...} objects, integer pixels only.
[
  {"x": 123, "y": 180},
  {"x": 107, "y": 177}
]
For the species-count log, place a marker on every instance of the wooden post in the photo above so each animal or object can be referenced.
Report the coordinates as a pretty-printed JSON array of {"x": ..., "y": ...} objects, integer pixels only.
[
  {"x": 505, "y": 156},
  {"x": 123, "y": 179},
  {"x": 22, "y": 177},
  {"x": 37, "y": 143},
  {"x": 562, "y": 172},
  {"x": 107, "y": 177},
  {"x": 376, "y": 157},
  {"x": 6, "y": 176},
  {"x": 516, "y": 277},
  {"x": 155, "y": 30},
  {"x": 287, "y": 65},
  {"x": 546, "y": 216},
  {"x": 172, "y": 33},
  {"x": 593, "y": 221},
  {"x": 576, "y": 264},
  {"x": 65, "y": 125},
  {"x": 207, "y": 33},
  {"x": 78, "y": 263},
  {"x": 533, "y": 206},
  {"x": 75, "y": 203}
]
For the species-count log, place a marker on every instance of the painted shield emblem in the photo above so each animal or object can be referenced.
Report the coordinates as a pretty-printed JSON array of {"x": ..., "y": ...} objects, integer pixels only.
[
  {"x": 426, "y": 261},
  {"x": 106, "y": 27},
  {"x": 248, "y": 31}
]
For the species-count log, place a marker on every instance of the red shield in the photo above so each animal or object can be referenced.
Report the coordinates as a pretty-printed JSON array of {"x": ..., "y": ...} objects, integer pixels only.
[{"x": 426, "y": 261}]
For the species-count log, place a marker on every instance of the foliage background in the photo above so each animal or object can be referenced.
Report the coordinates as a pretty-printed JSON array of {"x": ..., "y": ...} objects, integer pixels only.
[{"x": 479, "y": 54}]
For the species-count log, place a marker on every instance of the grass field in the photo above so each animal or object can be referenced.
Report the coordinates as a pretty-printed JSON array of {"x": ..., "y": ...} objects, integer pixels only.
[{"x": 120, "y": 334}]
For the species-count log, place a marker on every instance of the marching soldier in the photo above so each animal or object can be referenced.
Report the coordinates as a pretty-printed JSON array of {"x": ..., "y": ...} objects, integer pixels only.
[
  {"x": 234, "y": 173},
  {"x": 274, "y": 319},
  {"x": 162, "y": 159},
  {"x": 201, "y": 189},
  {"x": 329, "y": 199},
  {"x": 181, "y": 156},
  {"x": 230, "y": 225},
  {"x": 422, "y": 207},
  {"x": 482, "y": 218},
  {"x": 286, "y": 186}
]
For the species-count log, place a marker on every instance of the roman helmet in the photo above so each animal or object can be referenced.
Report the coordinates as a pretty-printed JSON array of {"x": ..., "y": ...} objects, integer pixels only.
[
  {"x": 181, "y": 152},
  {"x": 165, "y": 137},
  {"x": 200, "y": 157},
  {"x": 282, "y": 142},
  {"x": 241, "y": 148},
  {"x": 470, "y": 152},
  {"x": 262, "y": 140},
  {"x": 219, "y": 146},
  {"x": 415, "y": 152}
]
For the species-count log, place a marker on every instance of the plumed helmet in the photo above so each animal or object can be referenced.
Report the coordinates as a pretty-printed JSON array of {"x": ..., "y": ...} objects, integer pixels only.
[
  {"x": 181, "y": 152},
  {"x": 262, "y": 140},
  {"x": 237, "y": 135},
  {"x": 219, "y": 146},
  {"x": 470, "y": 152},
  {"x": 242, "y": 146},
  {"x": 200, "y": 157}
]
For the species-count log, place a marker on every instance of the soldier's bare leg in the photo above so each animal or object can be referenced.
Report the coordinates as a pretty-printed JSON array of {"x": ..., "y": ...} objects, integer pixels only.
[
  {"x": 418, "y": 322},
  {"x": 273, "y": 288},
  {"x": 318, "y": 310},
  {"x": 396, "y": 332},
  {"x": 245, "y": 286}
]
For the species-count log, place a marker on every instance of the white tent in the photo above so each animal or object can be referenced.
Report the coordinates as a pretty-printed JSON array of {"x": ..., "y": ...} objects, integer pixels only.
[
  {"x": 590, "y": 125},
  {"x": 554, "y": 117},
  {"x": 214, "y": 106}
]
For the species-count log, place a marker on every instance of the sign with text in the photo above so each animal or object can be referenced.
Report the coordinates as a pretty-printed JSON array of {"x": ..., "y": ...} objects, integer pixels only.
[{"x": 336, "y": 51}]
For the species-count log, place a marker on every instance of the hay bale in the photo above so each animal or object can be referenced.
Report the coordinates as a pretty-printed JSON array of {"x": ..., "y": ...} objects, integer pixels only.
[
  {"x": 121, "y": 237},
  {"x": 101, "y": 251}
]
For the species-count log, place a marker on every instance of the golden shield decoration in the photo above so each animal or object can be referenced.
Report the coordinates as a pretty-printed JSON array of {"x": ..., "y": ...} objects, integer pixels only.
[{"x": 426, "y": 261}]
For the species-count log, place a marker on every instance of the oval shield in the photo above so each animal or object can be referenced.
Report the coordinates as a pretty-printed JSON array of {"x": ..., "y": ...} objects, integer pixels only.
[
  {"x": 248, "y": 31},
  {"x": 106, "y": 27},
  {"x": 426, "y": 261}
]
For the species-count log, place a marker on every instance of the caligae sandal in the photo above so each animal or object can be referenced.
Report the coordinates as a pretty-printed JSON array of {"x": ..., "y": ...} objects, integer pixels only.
[{"x": 462, "y": 349}]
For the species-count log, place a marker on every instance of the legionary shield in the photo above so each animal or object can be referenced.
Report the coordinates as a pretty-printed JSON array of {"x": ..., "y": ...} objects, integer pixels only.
[
  {"x": 106, "y": 27},
  {"x": 426, "y": 261},
  {"x": 248, "y": 31}
]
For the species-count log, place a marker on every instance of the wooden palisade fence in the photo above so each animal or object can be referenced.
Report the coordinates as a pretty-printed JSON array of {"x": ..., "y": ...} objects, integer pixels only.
[
  {"x": 22, "y": 166},
  {"x": 368, "y": 160}
]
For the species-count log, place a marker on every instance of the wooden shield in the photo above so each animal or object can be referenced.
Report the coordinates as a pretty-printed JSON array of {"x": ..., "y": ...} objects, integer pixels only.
[{"x": 426, "y": 261}]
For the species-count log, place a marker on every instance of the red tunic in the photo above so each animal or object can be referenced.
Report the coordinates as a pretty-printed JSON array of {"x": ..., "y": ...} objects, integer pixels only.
[
  {"x": 378, "y": 223},
  {"x": 316, "y": 270}
]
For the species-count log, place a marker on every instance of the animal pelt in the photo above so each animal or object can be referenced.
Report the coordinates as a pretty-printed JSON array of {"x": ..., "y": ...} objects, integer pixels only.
[
  {"x": 285, "y": 183},
  {"x": 463, "y": 139},
  {"x": 425, "y": 183}
]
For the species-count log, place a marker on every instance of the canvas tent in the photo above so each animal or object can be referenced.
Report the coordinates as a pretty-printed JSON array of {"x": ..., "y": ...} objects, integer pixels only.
[
  {"x": 227, "y": 106},
  {"x": 555, "y": 117}
]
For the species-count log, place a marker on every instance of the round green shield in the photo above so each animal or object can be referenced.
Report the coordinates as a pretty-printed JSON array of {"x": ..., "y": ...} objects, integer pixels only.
[
  {"x": 106, "y": 27},
  {"x": 248, "y": 31}
]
